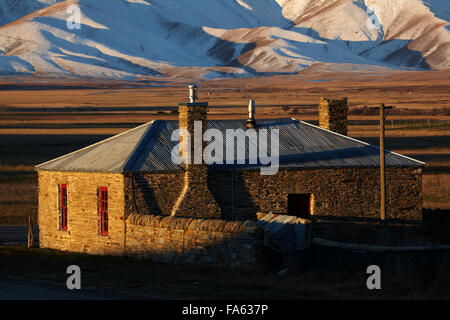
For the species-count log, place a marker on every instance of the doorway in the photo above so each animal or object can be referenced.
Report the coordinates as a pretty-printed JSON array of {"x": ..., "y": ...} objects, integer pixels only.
[{"x": 299, "y": 205}]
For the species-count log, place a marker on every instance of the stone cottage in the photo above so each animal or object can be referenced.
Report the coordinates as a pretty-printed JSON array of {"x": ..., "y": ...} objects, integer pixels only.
[{"x": 126, "y": 196}]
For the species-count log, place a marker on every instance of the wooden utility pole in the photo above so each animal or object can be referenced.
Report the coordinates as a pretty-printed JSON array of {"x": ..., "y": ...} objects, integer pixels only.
[
  {"x": 382, "y": 166},
  {"x": 383, "y": 116}
]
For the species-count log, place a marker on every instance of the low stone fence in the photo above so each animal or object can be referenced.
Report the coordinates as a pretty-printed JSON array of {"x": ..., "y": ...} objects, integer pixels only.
[{"x": 235, "y": 244}]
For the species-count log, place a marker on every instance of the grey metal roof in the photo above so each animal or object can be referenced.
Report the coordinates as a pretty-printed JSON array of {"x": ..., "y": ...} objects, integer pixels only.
[
  {"x": 109, "y": 155},
  {"x": 148, "y": 149}
]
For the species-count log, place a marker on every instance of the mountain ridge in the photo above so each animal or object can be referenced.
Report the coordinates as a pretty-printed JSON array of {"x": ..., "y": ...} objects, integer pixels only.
[{"x": 134, "y": 39}]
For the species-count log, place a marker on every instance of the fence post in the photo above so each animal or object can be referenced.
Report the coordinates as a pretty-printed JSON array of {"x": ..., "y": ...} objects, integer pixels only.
[{"x": 30, "y": 231}]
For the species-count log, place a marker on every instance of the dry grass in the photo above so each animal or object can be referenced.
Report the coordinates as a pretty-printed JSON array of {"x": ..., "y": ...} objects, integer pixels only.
[
  {"x": 404, "y": 89},
  {"x": 16, "y": 168},
  {"x": 57, "y": 132},
  {"x": 25, "y": 145},
  {"x": 18, "y": 198}
]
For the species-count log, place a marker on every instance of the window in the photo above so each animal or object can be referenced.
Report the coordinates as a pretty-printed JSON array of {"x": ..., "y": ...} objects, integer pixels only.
[
  {"x": 63, "y": 207},
  {"x": 103, "y": 210},
  {"x": 299, "y": 205}
]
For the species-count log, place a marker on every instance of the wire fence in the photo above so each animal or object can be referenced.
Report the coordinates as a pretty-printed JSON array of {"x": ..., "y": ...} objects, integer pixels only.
[{"x": 359, "y": 125}]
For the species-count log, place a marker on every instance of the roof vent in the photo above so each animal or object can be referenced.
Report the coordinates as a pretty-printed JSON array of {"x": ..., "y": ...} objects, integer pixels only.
[
  {"x": 251, "y": 123},
  {"x": 192, "y": 93}
]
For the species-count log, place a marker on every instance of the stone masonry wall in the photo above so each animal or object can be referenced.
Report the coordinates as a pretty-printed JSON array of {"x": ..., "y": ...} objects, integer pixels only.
[
  {"x": 336, "y": 192},
  {"x": 153, "y": 194},
  {"x": 194, "y": 241},
  {"x": 170, "y": 239},
  {"x": 241, "y": 194},
  {"x": 83, "y": 219}
]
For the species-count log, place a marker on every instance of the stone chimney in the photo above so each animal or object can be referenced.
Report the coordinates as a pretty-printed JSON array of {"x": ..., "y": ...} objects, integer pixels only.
[
  {"x": 333, "y": 115},
  {"x": 195, "y": 200}
]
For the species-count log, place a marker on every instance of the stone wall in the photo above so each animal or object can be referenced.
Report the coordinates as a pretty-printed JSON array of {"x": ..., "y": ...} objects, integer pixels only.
[
  {"x": 336, "y": 192},
  {"x": 196, "y": 241},
  {"x": 333, "y": 115},
  {"x": 153, "y": 194},
  {"x": 170, "y": 239},
  {"x": 83, "y": 218},
  {"x": 241, "y": 194}
]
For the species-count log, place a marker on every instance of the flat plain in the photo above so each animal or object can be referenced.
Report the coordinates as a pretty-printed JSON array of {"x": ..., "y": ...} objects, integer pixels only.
[{"x": 41, "y": 120}]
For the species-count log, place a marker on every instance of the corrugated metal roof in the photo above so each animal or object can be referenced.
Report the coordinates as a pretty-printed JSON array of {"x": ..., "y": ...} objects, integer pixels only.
[
  {"x": 148, "y": 149},
  {"x": 109, "y": 155}
]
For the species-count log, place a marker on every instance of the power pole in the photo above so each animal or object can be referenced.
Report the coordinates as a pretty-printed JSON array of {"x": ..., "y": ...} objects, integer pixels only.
[{"x": 383, "y": 116}]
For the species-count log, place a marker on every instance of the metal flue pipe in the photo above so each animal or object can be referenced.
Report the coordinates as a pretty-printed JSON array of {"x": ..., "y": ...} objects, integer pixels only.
[
  {"x": 192, "y": 93},
  {"x": 251, "y": 114}
]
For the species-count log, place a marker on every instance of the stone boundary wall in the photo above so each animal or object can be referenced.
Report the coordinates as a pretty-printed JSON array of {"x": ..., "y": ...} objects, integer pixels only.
[{"x": 229, "y": 244}]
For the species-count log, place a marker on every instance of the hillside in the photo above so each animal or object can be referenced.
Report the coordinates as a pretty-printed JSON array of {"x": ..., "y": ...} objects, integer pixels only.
[{"x": 129, "y": 39}]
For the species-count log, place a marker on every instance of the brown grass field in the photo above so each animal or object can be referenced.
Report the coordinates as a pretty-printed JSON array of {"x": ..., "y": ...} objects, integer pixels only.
[{"x": 43, "y": 120}]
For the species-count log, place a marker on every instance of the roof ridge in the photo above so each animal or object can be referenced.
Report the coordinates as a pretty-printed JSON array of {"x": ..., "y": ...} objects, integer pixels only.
[
  {"x": 89, "y": 146},
  {"x": 138, "y": 149},
  {"x": 144, "y": 149},
  {"x": 359, "y": 141}
]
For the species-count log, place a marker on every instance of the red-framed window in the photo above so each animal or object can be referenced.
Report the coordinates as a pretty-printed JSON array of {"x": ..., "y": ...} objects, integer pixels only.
[
  {"x": 63, "y": 207},
  {"x": 103, "y": 210}
]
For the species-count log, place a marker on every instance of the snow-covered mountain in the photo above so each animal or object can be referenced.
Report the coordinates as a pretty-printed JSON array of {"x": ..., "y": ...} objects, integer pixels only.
[
  {"x": 11, "y": 10},
  {"x": 213, "y": 38}
]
